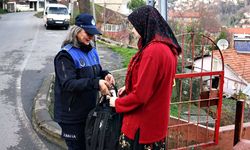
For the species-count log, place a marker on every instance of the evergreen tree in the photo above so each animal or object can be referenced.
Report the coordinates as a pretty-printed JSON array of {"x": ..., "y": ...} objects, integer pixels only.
[{"x": 134, "y": 4}]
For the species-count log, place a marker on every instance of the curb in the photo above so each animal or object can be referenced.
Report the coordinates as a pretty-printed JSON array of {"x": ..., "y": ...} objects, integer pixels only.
[
  {"x": 112, "y": 42},
  {"x": 41, "y": 119}
]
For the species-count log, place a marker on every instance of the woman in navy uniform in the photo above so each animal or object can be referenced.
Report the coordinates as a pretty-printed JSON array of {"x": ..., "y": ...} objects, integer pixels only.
[{"x": 79, "y": 77}]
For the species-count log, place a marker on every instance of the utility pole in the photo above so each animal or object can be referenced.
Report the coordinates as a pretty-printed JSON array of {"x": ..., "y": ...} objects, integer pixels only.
[
  {"x": 150, "y": 2},
  {"x": 93, "y": 7},
  {"x": 104, "y": 17},
  {"x": 71, "y": 8},
  {"x": 94, "y": 15},
  {"x": 164, "y": 8}
]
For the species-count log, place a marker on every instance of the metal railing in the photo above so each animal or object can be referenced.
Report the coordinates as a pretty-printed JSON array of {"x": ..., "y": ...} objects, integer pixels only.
[{"x": 197, "y": 97}]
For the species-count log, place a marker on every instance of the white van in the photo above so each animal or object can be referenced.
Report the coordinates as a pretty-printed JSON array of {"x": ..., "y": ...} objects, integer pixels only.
[{"x": 56, "y": 15}]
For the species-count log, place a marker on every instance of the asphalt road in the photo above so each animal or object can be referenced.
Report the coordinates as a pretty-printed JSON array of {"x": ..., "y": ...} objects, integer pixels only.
[{"x": 27, "y": 50}]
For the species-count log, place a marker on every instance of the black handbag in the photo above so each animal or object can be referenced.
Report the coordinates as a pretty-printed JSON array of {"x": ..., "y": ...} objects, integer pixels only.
[{"x": 103, "y": 127}]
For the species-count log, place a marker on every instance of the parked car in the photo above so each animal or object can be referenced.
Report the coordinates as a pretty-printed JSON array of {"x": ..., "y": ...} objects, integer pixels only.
[{"x": 56, "y": 15}]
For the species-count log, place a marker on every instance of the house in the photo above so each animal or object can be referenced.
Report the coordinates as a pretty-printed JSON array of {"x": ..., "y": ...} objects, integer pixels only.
[
  {"x": 36, "y": 5},
  {"x": 186, "y": 17},
  {"x": 233, "y": 83},
  {"x": 236, "y": 61},
  {"x": 206, "y": 21},
  {"x": 237, "y": 71},
  {"x": 22, "y": 5},
  {"x": 112, "y": 24},
  {"x": 112, "y": 17},
  {"x": 235, "y": 78},
  {"x": 238, "y": 56},
  {"x": 115, "y": 5}
]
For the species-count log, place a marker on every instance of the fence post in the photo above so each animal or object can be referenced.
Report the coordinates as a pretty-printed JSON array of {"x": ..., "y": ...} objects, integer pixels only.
[{"x": 238, "y": 120}]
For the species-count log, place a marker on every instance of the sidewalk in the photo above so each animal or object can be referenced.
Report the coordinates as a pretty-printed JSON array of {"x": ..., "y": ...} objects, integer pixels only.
[
  {"x": 242, "y": 145},
  {"x": 41, "y": 119}
]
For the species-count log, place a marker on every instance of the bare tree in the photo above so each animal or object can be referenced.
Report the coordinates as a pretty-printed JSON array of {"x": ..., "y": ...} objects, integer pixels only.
[
  {"x": 84, "y": 6},
  {"x": 247, "y": 2},
  {"x": 208, "y": 18}
]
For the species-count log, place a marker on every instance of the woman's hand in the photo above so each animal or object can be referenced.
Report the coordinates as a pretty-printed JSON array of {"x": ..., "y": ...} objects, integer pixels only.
[
  {"x": 104, "y": 87},
  {"x": 110, "y": 79},
  {"x": 112, "y": 101},
  {"x": 121, "y": 91}
]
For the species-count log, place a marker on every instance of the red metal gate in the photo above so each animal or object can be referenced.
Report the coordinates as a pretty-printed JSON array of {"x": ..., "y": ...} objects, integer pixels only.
[{"x": 197, "y": 95}]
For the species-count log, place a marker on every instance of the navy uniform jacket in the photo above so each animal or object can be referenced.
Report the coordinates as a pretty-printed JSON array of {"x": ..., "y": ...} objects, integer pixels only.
[{"x": 76, "y": 83}]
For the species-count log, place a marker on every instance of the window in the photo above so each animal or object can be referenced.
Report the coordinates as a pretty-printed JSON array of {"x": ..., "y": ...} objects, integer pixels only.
[
  {"x": 58, "y": 10},
  {"x": 113, "y": 27},
  {"x": 41, "y": 4},
  {"x": 242, "y": 46},
  {"x": 242, "y": 43}
]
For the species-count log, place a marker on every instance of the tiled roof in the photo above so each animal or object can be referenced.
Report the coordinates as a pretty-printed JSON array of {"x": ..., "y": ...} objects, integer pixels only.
[
  {"x": 186, "y": 14},
  {"x": 238, "y": 62},
  {"x": 239, "y": 30}
]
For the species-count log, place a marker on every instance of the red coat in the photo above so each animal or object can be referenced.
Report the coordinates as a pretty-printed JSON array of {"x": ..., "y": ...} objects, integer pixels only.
[{"x": 147, "y": 106}]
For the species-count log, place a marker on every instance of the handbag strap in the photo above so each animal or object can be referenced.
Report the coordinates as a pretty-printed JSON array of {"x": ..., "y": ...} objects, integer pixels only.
[{"x": 103, "y": 98}]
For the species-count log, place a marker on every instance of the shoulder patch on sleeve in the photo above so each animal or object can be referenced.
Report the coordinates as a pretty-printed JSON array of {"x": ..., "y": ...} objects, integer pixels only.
[{"x": 67, "y": 47}]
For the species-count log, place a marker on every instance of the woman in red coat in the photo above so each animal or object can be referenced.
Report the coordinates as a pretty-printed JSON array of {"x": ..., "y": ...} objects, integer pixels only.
[{"x": 145, "y": 102}]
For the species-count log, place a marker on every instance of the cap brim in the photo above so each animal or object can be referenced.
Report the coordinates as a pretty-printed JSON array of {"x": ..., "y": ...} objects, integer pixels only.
[{"x": 92, "y": 31}]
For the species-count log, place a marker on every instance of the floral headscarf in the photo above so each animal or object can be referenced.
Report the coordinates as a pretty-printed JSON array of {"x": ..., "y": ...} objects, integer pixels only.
[
  {"x": 151, "y": 26},
  {"x": 149, "y": 23}
]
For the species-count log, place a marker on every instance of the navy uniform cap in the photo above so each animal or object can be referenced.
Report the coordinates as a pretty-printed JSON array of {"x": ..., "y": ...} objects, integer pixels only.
[{"x": 87, "y": 22}]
